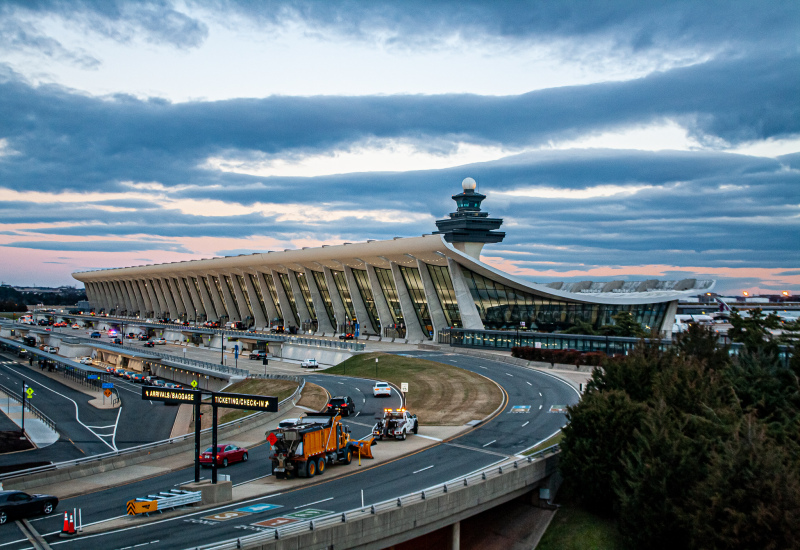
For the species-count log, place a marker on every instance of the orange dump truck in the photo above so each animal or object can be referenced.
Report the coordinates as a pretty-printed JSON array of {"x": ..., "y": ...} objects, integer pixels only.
[{"x": 309, "y": 446}]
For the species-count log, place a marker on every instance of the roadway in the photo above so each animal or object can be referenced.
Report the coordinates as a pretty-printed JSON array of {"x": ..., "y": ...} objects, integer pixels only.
[
  {"x": 508, "y": 433},
  {"x": 84, "y": 429}
]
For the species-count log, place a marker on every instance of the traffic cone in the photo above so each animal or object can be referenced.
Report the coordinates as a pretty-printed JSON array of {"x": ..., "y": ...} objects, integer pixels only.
[
  {"x": 65, "y": 529},
  {"x": 68, "y": 531}
]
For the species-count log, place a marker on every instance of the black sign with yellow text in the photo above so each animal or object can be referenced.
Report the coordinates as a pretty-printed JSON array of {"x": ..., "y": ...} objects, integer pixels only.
[
  {"x": 172, "y": 395},
  {"x": 248, "y": 402}
]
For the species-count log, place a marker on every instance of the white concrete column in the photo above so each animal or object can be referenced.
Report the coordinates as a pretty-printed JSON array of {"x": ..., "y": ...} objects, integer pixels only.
[
  {"x": 381, "y": 304},
  {"x": 216, "y": 297},
  {"x": 434, "y": 305},
  {"x": 100, "y": 294},
  {"x": 230, "y": 304},
  {"x": 414, "y": 331},
  {"x": 323, "y": 322},
  {"x": 118, "y": 302},
  {"x": 470, "y": 318},
  {"x": 148, "y": 305},
  {"x": 272, "y": 309},
  {"x": 241, "y": 299},
  {"x": 177, "y": 296},
  {"x": 358, "y": 303},
  {"x": 205, "y": 296},
  {"x": 130, "y": 306},
  {"x": 339, "y": 310},
  {"x": 255, "y": 302},
  {"x": 167, "y": 291},
  {"x": 159, "y": 305},
  {"x": 286, "y": 307},
  {"x": 455, "y": 536},
  {"x": 110, "y": 296},
  {"x": 136, "y": 296},
  {"x": 299, "y": 299},
  {"x": 198, "y": 303}
]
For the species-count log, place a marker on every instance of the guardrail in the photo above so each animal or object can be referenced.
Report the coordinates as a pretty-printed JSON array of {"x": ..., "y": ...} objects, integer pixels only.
[
  {"x": 36, "y": 412},
  {"x": 155, "y": 444},
  {"x": 453, "y": 485}
]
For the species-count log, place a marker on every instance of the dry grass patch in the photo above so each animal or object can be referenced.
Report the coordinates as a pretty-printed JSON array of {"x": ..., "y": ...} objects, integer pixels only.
[
  {"x": 439, "y": 394},
  {"x": 251, "y": 386},
  {"x": 314, "y": 397}
]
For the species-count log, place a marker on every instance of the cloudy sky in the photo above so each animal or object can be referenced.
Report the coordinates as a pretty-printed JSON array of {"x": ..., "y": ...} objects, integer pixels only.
[{"x": 623, "y": 140}]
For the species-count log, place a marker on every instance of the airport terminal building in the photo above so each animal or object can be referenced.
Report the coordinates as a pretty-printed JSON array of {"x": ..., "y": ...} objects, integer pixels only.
[{"x": 406, "y": 288}]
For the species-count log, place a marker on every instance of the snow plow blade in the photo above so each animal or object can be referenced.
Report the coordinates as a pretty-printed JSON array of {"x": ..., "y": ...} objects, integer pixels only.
[{"x": 364, "y": 447}]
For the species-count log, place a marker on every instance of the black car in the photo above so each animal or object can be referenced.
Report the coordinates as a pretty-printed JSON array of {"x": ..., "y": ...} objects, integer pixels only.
[
  {"x": 347, "y": 336},
  {"x": 149, "y": 344},
  {"x": 258, "y": 354},
  {"x": 342, "y": 404},
  {"x": 18, "y": 505},
  {"x": 116, "y": 341},
  {"x": 95, "y": 335}
]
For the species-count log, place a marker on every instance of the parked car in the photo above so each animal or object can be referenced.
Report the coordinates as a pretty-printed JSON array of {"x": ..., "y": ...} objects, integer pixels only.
[
  {"x": 149, "y": 345},
  {"x": 251, "y": 329},
  {"x": 258, "y": 354},
  {"x": 346, "y": 336},
  {"x": 50, "y": 349},
  {"x": 76, "y": 325},
  {"x": 278, "y": 329},
  {"x": 381, "y": 389},
  {"x": 226, "y": 454},
  {"x": 19, "y": 505},
  {"x": 309, "y": 364},
  {"x": 234, "y": 325},
  {"x": 95, "y": 335},
  {"x": 159, "y": 341},
  {"x": 341, "y": 405},
  {"x": 85, "y": 360}
]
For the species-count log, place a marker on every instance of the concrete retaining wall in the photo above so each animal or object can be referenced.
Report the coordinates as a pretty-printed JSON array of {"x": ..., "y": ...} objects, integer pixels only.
[
  {"x": 400, "y": 524},
  {"x": 323, "y": 356},
  {"x": 100, "y": 465}
]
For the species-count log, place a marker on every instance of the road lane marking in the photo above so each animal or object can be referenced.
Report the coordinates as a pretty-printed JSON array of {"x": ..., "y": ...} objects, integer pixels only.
[
  {"x": 423, "y": 469},
  {"x": 481, "y": 367},
  {"x": 312, "y": 503},
  {"x": 428, "y": 437},
  {"x": 492, "y": 441},
  {"x": 528, "y": 383},
  {"x": 511, "y": 375},
  {"x": 540, "y": 407},
  {"x": 526, "y": 423},
  {"x": 540, "y": 394}
]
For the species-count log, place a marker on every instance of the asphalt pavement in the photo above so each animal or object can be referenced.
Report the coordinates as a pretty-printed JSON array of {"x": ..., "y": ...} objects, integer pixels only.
[{"x": 533, "y": 412}]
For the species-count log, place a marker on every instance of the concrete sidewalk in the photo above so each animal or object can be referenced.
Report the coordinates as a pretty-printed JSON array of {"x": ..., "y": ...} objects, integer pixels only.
[{"x": 39, "y": 433}]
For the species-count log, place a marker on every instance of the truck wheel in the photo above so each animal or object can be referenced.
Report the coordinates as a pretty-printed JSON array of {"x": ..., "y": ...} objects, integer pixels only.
[
  {"x": 321, "y": 465},
  {"x": 348, "y": 456},
  {"x": 311, "y": 468},
  {"x": 403, "y": 436},
  {"x": 416, "y": 427}
]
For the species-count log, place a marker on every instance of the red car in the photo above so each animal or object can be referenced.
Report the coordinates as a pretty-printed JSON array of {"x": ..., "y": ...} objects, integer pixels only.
[{"x": 226, "y": 454}]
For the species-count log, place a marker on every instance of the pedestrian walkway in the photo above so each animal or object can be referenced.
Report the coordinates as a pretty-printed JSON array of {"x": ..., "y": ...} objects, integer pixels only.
[{"x": 39, "y": 433}]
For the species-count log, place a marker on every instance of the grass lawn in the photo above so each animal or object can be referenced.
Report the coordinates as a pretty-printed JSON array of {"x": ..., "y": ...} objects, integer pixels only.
[
  {"x": 439, "y": 394},
  {"x": 251, "y": 386},
  {"x": 574, "y": 528},
  {"x": 550, "y": 441}
]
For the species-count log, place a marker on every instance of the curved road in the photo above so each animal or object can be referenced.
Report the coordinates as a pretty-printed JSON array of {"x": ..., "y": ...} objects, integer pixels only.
[{"x": 506, "y": 434}]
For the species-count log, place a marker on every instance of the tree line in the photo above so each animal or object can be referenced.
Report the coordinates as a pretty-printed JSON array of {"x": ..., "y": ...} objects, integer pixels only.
[
  {"x": 692, "y": 447},
  {"x": 13, "y": 300}
]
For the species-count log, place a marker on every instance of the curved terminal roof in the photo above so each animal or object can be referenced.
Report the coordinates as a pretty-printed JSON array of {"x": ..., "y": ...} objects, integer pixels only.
[{"x": 431, "y": 249}]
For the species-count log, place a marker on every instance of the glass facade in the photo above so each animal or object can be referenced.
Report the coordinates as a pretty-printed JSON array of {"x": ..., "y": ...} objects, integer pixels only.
[
  {"x": 287, "y": 288},
  {"x": 440, "y": 275},
  {"x": 304, "y": 290},
  {"x": 229, "y": 284},
  {"x": 504, "y": 308},
  {"x": 273, "y": 292},
  {"x": 386, "y": 282},
  {"x": 319, "y": 278},
  {"x": 259, "y": 296},
  {"x": 362, "y": 282},
  {"x": 344, "y": 293},
  {"x": 413, "y": 283},
  {"x": 245, "y": 294},
  {"x": 219, "y": 293}
]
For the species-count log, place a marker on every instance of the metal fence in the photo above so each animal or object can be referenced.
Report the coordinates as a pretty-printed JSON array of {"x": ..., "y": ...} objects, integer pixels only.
[
  {"x": 152, "y": 446},
  {"x": 456, "y": 484},
  {"x": 29, "y": 407}
]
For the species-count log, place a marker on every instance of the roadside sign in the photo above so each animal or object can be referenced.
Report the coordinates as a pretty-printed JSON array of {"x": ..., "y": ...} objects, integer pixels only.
[
  {"x": 141, "y": 506},
  {"x": 107, "y": 385},
  {"x": 225, "y": 516},
  {"x": 275, "y": 522},
  {"x": 170, "y": 395},
  {"x": 107, "y": 392},
  {"x": 236, "y": 351},
  {"x": 194, "y": 383},
  {"x": 404, "y": 387},
  {"x": 92, "y": 377},
  {"x": 272, "y": 438},
  {"x": 309, "y": 513},
  {"x": 256, "y": 508},
  {"x": 247, "y": 402},
  {"x": 29, "y": 392}
]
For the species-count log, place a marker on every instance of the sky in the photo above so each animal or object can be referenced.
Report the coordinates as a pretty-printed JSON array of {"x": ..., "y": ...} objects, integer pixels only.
[{"x": 618, "y": 140}]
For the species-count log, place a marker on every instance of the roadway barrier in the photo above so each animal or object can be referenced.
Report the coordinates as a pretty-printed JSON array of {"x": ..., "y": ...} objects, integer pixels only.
[
  {"x": 393, "y": 521},
  {"x": 165, "y": 500},
  {"x": 28, "y": 407},
  {"x": 63, "y": 471}
]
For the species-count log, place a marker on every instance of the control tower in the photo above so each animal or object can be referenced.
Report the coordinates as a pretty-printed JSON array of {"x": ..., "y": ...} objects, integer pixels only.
[{"x": 468, "y": 229}]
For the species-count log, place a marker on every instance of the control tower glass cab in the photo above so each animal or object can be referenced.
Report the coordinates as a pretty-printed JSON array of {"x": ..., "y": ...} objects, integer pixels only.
[{"x": 468, "y": 229}]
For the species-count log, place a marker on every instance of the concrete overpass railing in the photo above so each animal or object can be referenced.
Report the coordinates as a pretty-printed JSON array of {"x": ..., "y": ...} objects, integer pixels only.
[{"x": 391, "y": 522}]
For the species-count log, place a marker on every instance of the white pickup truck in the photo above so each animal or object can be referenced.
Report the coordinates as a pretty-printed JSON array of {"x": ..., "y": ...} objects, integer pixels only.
[{"x": 397, "y": 423}]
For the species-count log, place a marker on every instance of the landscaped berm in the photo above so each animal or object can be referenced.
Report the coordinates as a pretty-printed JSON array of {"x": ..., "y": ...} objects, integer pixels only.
[{"x": 439, "y": 394}]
